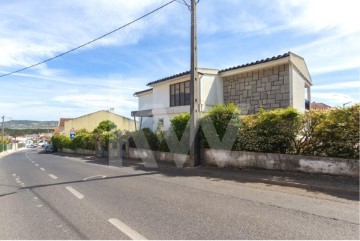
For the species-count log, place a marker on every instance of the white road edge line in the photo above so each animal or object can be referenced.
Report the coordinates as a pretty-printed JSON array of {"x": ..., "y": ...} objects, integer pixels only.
[
  {"x": 42, "y": 169},
  {"x": 53, "y": 176},
  {"x": 126, "y": 229},
  {"x": 76, "y": 193}
]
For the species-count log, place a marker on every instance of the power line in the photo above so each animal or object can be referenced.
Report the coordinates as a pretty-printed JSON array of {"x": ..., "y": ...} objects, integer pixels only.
[{"x": 87, "y": 43}]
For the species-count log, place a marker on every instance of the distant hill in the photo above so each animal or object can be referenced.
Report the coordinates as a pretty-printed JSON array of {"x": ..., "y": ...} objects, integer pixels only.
[{"x": 30, "y": 124}]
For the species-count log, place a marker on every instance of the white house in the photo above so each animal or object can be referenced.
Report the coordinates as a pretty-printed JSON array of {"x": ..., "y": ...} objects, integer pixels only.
[{"x": 276, "y": 82}]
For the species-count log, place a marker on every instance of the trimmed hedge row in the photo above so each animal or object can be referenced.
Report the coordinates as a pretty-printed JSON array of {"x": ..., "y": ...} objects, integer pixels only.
[{"x": 331, "y": 132}]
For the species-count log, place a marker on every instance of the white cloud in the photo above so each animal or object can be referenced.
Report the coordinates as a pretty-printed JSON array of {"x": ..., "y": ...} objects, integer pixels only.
[
  {"x": 27, "y": 38},
  {"x": 335, "y": 98},
  {"x": 339, "y": 85},
  {"x": 316, "y": 16}
]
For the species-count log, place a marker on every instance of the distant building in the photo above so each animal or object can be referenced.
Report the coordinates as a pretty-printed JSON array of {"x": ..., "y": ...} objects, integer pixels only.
[
  {"x": 92, "y": 120},
  {"x": 315, "y": 105},
  {"x": 61, "y": 126}
]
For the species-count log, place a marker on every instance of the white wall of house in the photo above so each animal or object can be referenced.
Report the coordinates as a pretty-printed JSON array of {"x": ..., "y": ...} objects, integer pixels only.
[
  {"x": 211, "y": 94},
  {"x": 211, "y": 91},
  {"x": 145, "y": 103},
  {"x": 298, "y": 90},
  {"x": 145, "y": 100}
]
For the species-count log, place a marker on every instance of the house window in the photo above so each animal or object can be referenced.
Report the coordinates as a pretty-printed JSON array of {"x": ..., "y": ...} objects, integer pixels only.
[{"x": 180, "y": 94}]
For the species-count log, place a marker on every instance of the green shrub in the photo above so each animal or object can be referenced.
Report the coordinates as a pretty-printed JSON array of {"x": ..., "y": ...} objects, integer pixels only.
[
  {"x": 270, "y": 131},
  {"x": 60, "y": 142},
  {"x": 178, "y": 136},
  {"x": 220, "y": 126},
  {"x": 163, "y": 146},
  {"x": 180, "y": 124},
  {"x": 84, "y": 140},
  {"x": 104, "y": 134},
  {"x": 144, "y": 139},
  {"x": 333, "y": 132}
]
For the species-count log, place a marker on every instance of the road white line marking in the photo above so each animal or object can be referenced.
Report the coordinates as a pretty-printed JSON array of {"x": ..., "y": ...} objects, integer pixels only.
[
  {"x": 35, "y": 198},
  {"x": 76, "y": 193},
  {"x": 53, "y": 176},
  {"x": 39, "y": 206},
  {"x": 94, "y": 177},
  {"x": 126, "y": 229},
  {"x": 37, "y": 165},
  {"x": 42, "y": 169},
  {"x": 32, "y": 161},
  {"x": 14, "y": 175}
]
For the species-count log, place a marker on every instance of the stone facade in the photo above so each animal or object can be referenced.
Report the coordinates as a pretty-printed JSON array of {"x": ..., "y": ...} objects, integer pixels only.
[{"x": 268, "y": 88}]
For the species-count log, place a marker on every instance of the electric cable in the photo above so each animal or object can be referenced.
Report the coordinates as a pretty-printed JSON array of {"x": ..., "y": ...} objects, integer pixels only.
[{"x": 90, "y": 42}]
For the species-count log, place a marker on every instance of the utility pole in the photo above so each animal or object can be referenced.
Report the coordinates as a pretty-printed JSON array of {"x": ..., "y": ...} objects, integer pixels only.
[
  {"x": 194, "y": 92},
  {"x": 3, "y": 140}
]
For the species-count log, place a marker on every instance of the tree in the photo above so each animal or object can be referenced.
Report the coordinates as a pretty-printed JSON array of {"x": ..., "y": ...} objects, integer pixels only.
[{"x": 104, "y": 133}]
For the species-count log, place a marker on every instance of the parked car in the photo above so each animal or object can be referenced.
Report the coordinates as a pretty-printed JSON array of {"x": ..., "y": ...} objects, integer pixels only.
[
  {"x": 49, "y": 149},
  {"x": 42, "y": 143}
]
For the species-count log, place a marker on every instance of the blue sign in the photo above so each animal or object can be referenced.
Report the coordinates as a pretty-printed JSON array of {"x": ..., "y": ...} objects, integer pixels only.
[{"x": 72, "y": 134}]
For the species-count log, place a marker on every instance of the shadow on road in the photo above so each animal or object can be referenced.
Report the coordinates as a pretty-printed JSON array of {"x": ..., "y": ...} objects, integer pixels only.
[{"x": 337, "y": 186}]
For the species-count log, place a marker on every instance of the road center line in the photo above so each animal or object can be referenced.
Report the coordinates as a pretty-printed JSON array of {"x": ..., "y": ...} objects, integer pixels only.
[
  {"x": 53, "y": 176},
  {"x": 76, "y": 193},
  {"x": 42, "y": 169},
  {"x": 126, "y": 229}
]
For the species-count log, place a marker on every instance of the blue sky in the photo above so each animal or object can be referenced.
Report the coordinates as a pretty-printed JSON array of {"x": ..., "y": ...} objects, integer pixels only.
[{"x": 105, "y": 74}]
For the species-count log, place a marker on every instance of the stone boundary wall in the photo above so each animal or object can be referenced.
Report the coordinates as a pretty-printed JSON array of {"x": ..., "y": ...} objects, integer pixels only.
[
  {"x": 268, "y": 88},
  {"x": 282, "y": 162},
  {"x": 251, "y": 160},
  {"x": 180, "y": 160},
  {"x": 80, "y": 151}
]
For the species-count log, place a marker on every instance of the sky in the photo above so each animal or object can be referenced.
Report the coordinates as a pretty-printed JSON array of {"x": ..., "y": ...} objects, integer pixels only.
[{"x": 105, "y": 74}]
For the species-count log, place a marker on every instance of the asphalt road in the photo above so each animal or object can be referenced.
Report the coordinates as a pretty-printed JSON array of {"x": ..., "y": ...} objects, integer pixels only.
[{"x": 47, "y": 196}]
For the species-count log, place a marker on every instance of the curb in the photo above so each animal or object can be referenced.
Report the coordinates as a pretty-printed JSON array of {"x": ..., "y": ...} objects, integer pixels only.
[
  {"x": 288, "y": 184},
  {"x": 6, "y": 153}
]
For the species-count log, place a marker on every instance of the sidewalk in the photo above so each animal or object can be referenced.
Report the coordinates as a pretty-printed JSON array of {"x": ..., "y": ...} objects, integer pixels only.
[
  {"x": 309, "y": 181},
  {"x": 341, "y": 185},
  {"x": 8, "y": 152}
]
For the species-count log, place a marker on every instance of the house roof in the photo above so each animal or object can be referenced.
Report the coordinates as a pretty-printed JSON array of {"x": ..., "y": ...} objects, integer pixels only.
[
  {"x": 143, "y": 91},
  {"x": 168, "y": 78},
  {"x": 200, "y": 70},
  {"x": 106, "y": 111},
  {"x": 62, "y": 121},
  {"x": 297, "y": 60},
  {"x": 257, "y": 62},
  {"x": 315, "y": 105}
]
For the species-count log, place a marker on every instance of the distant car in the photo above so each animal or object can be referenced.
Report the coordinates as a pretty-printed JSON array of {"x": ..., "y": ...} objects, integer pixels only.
[
  {"x": 42, "y": 144},
  {"x": 49, "y": 149}
]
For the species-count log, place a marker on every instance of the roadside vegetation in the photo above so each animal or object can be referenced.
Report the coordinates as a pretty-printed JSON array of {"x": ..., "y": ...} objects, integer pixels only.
[{"x": 332, "y": 132}]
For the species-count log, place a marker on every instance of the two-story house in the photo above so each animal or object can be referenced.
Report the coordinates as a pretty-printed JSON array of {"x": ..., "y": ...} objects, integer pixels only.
[{"x": 271, "y": 83}]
